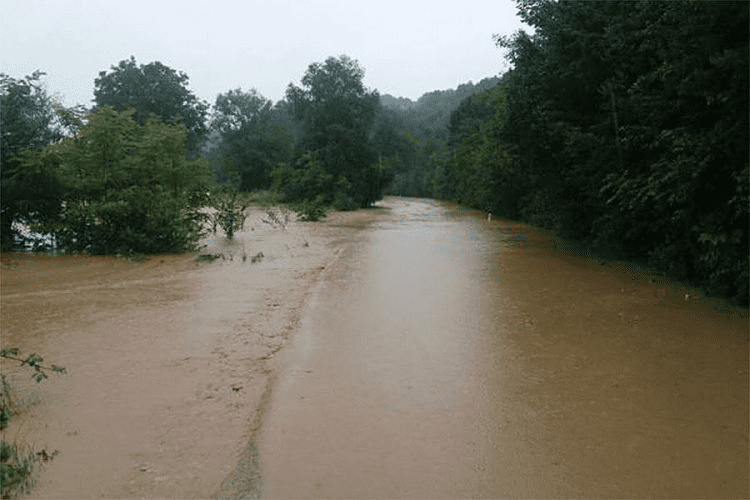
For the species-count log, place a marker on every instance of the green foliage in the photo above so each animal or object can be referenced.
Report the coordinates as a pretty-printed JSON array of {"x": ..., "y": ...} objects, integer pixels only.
[
  {"x": 403, "y": 154},
  {"x": 33, "y": 361},
  {"x": 306, "y": 181},
  {"x": 410, "y": 138},
  {"x": 626, "y": 125},
  {"x": 17, "y": 462},
  {"x": 277, "y": 217},
  {"x": 153, "y": 89},
  {"x": 5, "y": 402},
  {"x": 477, "y": 169},
  {"x": 252, "y": 137},
  {"x": 443, "y": 175},
  {"x": 230, "y": 213},
  {"x": 17, "y": 465},
  {"x": 29, "y": 120},
  {"x": 336, "y": 114},
  {"x": 313, "y": 210},
  {"x": 128, "y": 188}
]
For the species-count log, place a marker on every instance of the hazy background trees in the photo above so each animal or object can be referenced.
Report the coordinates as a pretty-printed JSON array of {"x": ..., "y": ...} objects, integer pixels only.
[
  {"x": 330, "y": 141},
  {"x": 249, "y": 138}
]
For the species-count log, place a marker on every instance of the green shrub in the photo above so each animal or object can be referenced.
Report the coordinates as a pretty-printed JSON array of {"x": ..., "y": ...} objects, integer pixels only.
[
  {"x": 16, "y": 469},
  {"x": 17, "y": 462},
  {"x": 305, "y": 181},
  {"x": 310, "y": 211},
  {"x": 230, "y": 216}
]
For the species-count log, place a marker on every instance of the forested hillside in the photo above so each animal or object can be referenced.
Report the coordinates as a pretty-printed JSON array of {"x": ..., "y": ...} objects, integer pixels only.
[{"x": 624, "y": 124}]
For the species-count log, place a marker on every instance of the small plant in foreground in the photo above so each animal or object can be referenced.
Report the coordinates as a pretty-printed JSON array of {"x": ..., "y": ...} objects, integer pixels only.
[
  {"x": 17, "y": 462},
  {"x": 209, "y": 257},
  {"x": 33, "y": 360},
  {"x": 230, "y": 214},
  {"x": 16, "y": 469},
  {"x": 257, "y": 258},
  {"x": 277, "y": 218},
  {"x": 310, "y": 211}
]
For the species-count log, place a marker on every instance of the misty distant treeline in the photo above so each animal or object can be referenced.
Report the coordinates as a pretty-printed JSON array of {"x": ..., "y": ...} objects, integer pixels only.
[
  {"x": 414, "y": 135},
  {"x": 623, "y": 124}
]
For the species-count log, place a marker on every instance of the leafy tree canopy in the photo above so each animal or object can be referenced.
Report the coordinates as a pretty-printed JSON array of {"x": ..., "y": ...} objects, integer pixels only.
[
  {"x": 127, "y": 188},
  {"x": 153, "y": 88},
  {"x": 629, "y": 123},
  {"x": 337, "y": 114},
  {"x": 29, "y": 120},
  {"x": 236, "y": 110},
  {"x": 252, "y": 138}
]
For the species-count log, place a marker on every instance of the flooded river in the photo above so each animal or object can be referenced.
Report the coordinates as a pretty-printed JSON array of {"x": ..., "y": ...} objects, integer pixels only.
[
  {"x": 166, "y": 359},
  {"x": 447, "y": 356},
  {"x": 408, "y": 351}
]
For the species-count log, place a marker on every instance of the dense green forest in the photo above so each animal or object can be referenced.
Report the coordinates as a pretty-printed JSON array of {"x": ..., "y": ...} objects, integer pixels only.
[{"x": 622, "y": 124}]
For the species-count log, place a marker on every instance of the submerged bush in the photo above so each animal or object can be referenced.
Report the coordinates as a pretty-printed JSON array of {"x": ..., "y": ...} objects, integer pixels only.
[
  {"x": 230, "y": 216},
  {"x": 18, "y": 462},
  {"x": 126, "y": 187}
]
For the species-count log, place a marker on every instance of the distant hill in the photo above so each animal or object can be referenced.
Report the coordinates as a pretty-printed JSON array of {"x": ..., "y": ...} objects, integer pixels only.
[
  {"x": 412, "y": 135},
  {"x": 399, "y": 103},
  {"x": 433, "y": 109}
]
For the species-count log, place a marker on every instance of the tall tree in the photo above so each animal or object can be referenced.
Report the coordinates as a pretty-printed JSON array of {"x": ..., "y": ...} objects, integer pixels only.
[
  {"x": 337, "y": 114},
  {"x": 29, "y": 120},
  {"x": 253, "y": 138},
  {"x": 153, "y": 89}
]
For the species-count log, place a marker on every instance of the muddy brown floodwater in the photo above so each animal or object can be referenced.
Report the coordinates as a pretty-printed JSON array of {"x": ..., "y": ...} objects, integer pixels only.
[
  {"x": 166, "y": 359},
  {"x": 446, "y": 356},
  {"x": 411, "y": 350}
]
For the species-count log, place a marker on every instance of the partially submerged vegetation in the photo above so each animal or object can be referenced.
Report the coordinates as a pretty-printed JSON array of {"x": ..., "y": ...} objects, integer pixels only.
[
  {"x": 18, "y": 462},
  {"x": 127, "y": 177}
]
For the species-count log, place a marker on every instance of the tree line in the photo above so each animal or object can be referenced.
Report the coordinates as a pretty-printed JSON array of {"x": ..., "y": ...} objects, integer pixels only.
[
  {"x": 623, "y": 124},
  {"x": 132, "y": 173}
]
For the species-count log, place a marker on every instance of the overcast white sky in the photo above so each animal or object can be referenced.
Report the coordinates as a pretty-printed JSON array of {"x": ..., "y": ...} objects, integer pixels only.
[{"x": 406, "y": 47}]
